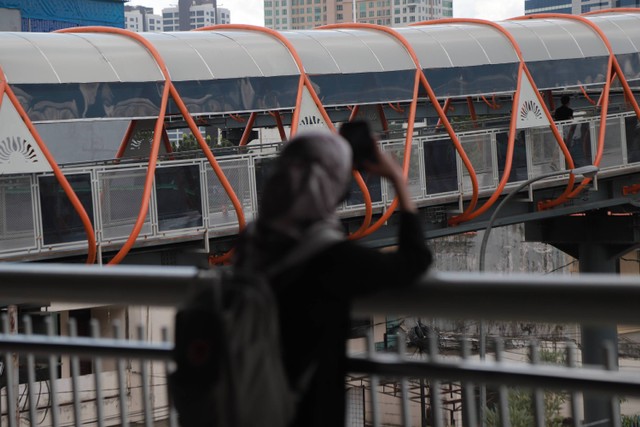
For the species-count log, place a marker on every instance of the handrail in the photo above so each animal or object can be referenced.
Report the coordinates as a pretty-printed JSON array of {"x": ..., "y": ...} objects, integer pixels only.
[{"x": 586, "y": 298}]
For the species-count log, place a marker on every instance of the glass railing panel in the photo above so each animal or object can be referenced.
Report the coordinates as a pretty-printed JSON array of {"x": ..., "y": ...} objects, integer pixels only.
[
  {"x": 221, "y": 211},
  {"x": 17, "y": 230},
  {"x": 578, "y": 138},
  {"x": 478, "y": 150},
  {"x": 355, "y": 197},
  {"x": 519, "y": 170},
  {"x": 632, "y": 137},
  {"x": 178, "y": 197},
  {"x": 413, "y": 178},
  {"x": 612, "y": 151},
  {"x": 119, "y": 202},
  {"x": 60, "y": 221},
  {"x": 441, "y": 171},
  {"x": 545, "y": 152}
]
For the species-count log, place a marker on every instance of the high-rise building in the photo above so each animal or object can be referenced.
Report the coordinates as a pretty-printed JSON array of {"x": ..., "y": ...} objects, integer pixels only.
[
  {"x": 192, "y": 14},
  {"x": 46, "y": 16},
  {"x": 574, "y": 7},
  {"x": 141, "y": 18},
  {"x": 304, "y": 14}
]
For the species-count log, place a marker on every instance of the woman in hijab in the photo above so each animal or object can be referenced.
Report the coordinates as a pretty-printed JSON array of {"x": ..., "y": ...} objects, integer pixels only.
[{"x": 315, "y": 271}]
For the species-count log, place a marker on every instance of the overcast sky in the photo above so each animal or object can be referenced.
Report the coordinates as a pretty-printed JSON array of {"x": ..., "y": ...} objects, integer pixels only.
[{"x": 251, "y": 11}]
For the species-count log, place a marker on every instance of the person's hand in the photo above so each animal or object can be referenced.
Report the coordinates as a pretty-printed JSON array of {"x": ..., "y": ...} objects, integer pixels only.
[{"x": 387, "y": 167}]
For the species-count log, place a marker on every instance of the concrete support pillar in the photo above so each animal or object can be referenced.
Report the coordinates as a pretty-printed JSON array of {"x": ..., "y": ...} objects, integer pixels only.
[
  {"x": 596, "y": 258},
  {"x": 597, "y": 239}
]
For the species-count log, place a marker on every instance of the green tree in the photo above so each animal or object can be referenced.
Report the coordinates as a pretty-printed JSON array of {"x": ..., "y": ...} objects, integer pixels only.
[{"x": 520, "y": 401}]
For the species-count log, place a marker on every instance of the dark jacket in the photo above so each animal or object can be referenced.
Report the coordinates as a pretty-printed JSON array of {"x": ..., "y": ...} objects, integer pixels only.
[
  {"x": 563, "y": 113},
  {"x": 315, "y": 301}
]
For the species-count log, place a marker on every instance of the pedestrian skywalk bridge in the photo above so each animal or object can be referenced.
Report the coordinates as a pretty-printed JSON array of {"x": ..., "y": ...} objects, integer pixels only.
[{"x": 188, "y": 203}]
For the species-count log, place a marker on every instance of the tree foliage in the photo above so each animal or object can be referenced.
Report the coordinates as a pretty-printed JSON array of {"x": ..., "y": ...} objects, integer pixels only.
[{"x": 520, "y": 401}]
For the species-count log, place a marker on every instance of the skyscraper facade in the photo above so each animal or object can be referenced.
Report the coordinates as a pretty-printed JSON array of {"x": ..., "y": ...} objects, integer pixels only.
[
  {"x": 305, "y": 14},
  {"x": 574, "y": 7},
  {"x": 198, "y": 14},
  {"x": 141, "y": 18},
  {"x": 49, "y": 15}
]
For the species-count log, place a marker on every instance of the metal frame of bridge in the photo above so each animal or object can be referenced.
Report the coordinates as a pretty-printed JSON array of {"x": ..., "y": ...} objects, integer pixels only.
[{"x": 509, "y": 70}]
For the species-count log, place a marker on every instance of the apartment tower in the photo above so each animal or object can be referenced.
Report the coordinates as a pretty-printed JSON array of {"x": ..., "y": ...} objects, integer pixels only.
[{"x": 305, "y": 14}]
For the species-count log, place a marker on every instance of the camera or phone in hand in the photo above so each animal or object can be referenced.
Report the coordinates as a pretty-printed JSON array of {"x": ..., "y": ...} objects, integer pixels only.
[{"x": 363, "y": 143}]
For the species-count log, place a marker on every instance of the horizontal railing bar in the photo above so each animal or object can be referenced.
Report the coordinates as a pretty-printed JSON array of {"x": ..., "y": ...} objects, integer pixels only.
[
  {"x": 389, "y": 365},
  {"x": 511, "y": 374},
  {"x": 85, "y": 346},
  {"x": 583, "y": 298},
  {"x": 109, "y": 285}
]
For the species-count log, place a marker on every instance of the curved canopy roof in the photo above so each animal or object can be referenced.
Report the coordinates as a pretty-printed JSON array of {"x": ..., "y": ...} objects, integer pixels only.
[
  {"x": 459, "y": 45},
  {"x": 560, "y": 52},
  {"x": 621, "y": 28},
  {"x": 207, "y": 55},
  {"x": 345, "y": 51},
  {"x": 40, "y": 58},
  {"x": 232, "y": 69},
  {"x": 623, "y": 33},
  {"x": 464, "y": 58}
]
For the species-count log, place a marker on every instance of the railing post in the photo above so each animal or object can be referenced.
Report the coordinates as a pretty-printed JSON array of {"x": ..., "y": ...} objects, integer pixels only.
[
  {"x": 13, "y": 383},
  {"x": 596, "y": 258}
]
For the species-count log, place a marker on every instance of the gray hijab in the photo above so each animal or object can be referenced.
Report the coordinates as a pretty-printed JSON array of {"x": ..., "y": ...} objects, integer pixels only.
[{"x": 298, "y": 208}]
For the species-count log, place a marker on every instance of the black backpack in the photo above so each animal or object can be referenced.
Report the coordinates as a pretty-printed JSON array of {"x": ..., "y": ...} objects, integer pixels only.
[{"x": 229, "y": 371}]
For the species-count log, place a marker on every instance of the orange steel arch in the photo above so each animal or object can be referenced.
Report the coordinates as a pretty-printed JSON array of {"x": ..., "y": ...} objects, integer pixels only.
[
  {"x": 522, "y": 69},
  {"x": 302, "y": 83},
  {"x": 612, "y": 67},
  {"x": 587, "y": 97},
  {"x": 247, "y": 130},
  {"x": 129, "y": 133},
  {"x": 365, "y": 191},
  {"x": 396, "y": 107},
  {"x": 420, "y": 79},
  {"x": 472, "y": 111},
  {"x": 446, "y": 108},
  {"x": 548, "y": 95},
  {"x": 493, "y": 104},
  {"x": 127, "y": 136},
  {"x": 304, "y": 79},
  {"x": 278, "y": 118},
  {"x": 169, "y": 90},
  {"x": 62, "y": 180}
]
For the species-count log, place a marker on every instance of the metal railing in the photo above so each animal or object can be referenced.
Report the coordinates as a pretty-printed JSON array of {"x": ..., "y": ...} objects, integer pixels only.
[
  {"x": 189, "y": 203},
  {"x": 127, "y": 379}
]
